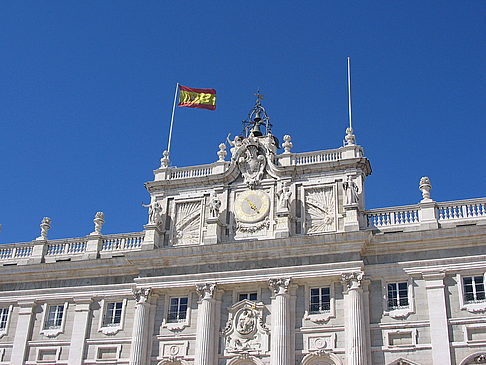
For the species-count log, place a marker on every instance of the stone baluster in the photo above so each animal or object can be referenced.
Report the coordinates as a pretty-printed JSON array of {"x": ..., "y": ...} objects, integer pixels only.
[
  {"x": 80, "y": 326},
  {"x": 205, "y": 331},
  {"x": 22, "y": 332},
  {"x": 280, "y": 349},
  {"x": 138, "y": 351},
  {"x": 355, "y": 328}
]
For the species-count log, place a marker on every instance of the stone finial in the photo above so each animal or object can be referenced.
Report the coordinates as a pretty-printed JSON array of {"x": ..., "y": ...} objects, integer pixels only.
[
  {"x": 164, "y": 161},
  {"x": 98, "y": 221},
  {"x": 350, "y": 138},
  {"x": 287, "y": 145},
  {"x": 425, "y": 188},
  {"x": 222, "y": 152},
  {"x": 45, "y": 226}
]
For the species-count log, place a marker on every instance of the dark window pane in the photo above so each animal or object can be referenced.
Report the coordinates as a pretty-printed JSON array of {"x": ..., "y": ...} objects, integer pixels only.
[{"x": 253, "y": 296}]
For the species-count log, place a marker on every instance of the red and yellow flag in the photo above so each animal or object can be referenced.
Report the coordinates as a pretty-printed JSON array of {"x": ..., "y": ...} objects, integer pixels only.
[{"x": 197, "y": 98}]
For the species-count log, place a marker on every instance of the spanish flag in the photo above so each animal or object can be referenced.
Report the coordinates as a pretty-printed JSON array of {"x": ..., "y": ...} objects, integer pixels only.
[{"x": 197, "y": 98}]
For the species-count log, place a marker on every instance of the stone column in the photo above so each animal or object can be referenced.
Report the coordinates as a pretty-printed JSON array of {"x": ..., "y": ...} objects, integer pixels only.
[
  {"x": 22, "y": 332},
  {"x": 281, "y": 333},
  {"x": 439, "y": 328},
  {"x": 80, "y": 326},
  {"x": 205, "y": 332},
  {"x": 355, "y": 328},
  {"x": 138, "y": 351}
]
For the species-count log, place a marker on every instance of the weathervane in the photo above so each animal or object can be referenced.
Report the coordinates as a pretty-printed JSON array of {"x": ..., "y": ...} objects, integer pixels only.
[{"x": 256, "y": 118}]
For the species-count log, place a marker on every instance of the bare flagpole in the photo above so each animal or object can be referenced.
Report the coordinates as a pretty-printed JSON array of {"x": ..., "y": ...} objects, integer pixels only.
[
  {"x": 350, "y": 138},
  {"x": 349, "y": 95},
  {"x": 172, "y": 118}
]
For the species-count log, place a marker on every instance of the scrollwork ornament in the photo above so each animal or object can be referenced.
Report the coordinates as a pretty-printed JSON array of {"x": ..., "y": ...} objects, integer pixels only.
[
  {"x": 206, "y": 290},
  {"x": 141, "y": 295},
  {"x": 280, "y": 285},
  {"x": 352, "y": 280},
  {"x": 481, "y": 359}
]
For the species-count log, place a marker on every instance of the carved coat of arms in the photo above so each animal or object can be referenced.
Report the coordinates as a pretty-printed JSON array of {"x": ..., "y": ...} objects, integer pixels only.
[
  {"x": 245, "y": 330},
  {"x": 251, "y": 163}
]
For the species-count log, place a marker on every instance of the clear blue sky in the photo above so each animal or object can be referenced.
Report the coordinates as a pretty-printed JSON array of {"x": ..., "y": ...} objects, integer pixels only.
[{"x": 86, "y": 92}]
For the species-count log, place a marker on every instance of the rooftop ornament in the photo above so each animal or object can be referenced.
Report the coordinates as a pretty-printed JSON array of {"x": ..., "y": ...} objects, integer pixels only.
[{"x": 256, "y": 118}]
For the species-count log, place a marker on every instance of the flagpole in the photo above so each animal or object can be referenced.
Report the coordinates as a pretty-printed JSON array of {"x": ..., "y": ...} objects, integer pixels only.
[
  {"x": 172, "y": 118},
  {"x": 349, "y": 96}
]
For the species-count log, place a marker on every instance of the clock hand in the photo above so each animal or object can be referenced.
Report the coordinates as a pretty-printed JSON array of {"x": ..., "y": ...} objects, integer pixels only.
[{"x": 252, "y": 206}]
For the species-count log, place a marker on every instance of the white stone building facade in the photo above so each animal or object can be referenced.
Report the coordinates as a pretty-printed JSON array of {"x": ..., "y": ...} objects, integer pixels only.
[{"x": 258, "y": 258}]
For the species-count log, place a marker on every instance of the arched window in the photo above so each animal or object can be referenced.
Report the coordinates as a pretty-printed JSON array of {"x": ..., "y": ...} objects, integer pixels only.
[{"x": 325, "y": 359}]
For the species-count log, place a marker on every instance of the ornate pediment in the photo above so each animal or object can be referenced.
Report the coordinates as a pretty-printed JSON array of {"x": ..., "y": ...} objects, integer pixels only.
[
  {"x": 251, "y": 161},
  {"x": 245, "y": 331}
]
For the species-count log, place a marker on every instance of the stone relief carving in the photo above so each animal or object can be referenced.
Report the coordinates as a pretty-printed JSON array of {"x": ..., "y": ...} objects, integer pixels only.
[
  {"x": 320, "y": 208},
  {"x": 245, "y": 330},
  {"x": 252, "y": 164},
  {"x": 187, "y": 223}
]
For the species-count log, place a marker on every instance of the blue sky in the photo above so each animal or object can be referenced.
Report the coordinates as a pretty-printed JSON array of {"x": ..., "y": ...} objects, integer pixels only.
[{"x": 86, "y": 90}]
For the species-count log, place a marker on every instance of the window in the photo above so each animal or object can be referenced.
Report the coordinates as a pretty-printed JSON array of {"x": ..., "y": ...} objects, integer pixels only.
[
  {"x": 54, "y": 317},
  {"x": 474, "y": 289},
  {"x": 113, "y": 314},
  {"x": 177, "y": 310},
  {"x": 320, "y": 300},
  {"x": 3, "y": 318},
  {"x": 247, "y": 296},
  {"x": 397, "y": 295}
]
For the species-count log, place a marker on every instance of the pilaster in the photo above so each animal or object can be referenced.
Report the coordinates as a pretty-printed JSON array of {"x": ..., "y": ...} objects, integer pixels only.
[
  {"x": 138, "y": 351},
  {"x": 78, "y": 338},
  {"x": 355, "y": 327},
  {"x": 22, "y": 332},
  {"x": 206, "y": 320},
  {"x": 153, "y": 237},
  {"x": 281, "y": 334},
  {"x": 439, "y": 328}
]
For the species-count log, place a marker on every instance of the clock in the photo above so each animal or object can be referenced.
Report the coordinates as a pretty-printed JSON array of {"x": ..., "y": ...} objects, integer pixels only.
[{"x": 252, "y": 206}]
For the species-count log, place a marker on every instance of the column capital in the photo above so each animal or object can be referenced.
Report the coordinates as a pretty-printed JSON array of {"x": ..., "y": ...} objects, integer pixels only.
[
  {"x": 352, "y": 280},
  {"x": 279, "y": 285},
  {"x": 205, "y": 290},
  {"x": 141, "y": 295}
]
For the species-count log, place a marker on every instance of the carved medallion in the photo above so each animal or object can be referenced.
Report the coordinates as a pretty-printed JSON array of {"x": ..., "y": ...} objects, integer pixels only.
[{"x": 320, "y": 208}]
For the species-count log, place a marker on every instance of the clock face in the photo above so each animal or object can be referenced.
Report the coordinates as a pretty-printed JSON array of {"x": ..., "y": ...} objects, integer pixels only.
[{"x": 252, "y": 206}]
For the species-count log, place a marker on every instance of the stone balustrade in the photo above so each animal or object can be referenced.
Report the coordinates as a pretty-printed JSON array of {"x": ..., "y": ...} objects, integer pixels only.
[
  {"x": 394, "y": 216},
  {"x": 446, "y": 214},
  {"x": 285, "y": 159},
  {"x": 79, "y": 248},
  {"x": 403, "y": 218},
  {"x": 462, "y": 209}
]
